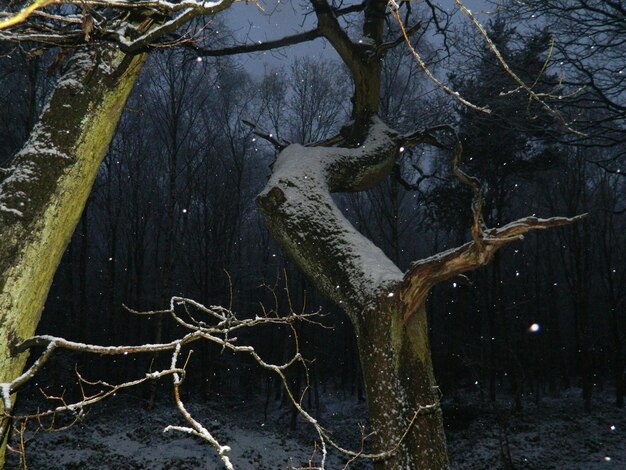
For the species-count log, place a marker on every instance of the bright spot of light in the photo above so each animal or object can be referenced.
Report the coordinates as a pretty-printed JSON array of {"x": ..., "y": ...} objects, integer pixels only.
[
  {"x": 198, "y": 59},
  {"x": 390, "y": 294},
  {"x": 534, "y": 328},
  {"x": 612, "y": 428},
  {"x": 401, "y": 149},
  {"x": 607, "y": 459}
]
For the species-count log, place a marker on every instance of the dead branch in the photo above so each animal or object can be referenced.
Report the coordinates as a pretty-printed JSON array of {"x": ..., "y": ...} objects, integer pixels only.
[
  {"x": 219, "y": 328},
  {"x": 278, "y": 144},
  {"x": 426, "y": 273}
]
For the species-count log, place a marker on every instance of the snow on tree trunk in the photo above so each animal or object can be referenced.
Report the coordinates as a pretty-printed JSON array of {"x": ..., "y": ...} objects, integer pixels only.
[
  {"x": 45, "y": 191},
  {"x": 357, "y": 276}
]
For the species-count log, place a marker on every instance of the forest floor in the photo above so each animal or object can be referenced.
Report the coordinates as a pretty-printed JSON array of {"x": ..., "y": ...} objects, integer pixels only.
[{"x": 120, "y": 434}]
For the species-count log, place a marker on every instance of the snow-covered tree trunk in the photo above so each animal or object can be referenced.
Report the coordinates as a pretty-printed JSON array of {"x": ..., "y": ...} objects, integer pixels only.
[
  {"x": 385, "y": 306},
  {"x": 43, "y": 193},
  {"x": 348, "y": 268}
]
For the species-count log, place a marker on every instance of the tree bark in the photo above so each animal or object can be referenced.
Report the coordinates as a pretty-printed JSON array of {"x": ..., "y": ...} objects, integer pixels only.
[
  {"x": 43, "y": 196},
  {"x": 385, "y": 306},
  {"x": 355, "y": 274}
]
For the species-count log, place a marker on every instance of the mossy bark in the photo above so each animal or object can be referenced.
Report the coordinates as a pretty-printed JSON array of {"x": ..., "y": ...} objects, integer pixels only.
[
  {"x": 402, "y": 396},
  {"x": 43, "y": 196}
]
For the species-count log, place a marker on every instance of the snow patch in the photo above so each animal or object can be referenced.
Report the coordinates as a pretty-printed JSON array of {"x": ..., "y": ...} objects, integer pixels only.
[{"x": 10, "y": 210}]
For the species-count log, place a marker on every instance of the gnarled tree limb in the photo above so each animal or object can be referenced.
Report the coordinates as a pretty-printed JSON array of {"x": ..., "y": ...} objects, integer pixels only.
[{"x": 426, "y": 273}]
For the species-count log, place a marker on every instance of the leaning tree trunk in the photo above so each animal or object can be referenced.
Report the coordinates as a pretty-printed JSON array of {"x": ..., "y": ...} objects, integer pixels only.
[
  {"x": 355, "y": 274},
  {"x": 45, "y": 191},
  {"x": 385, "y": 306}
]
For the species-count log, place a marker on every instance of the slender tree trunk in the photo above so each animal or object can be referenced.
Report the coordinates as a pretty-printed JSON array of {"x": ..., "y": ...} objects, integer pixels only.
[
  {"x": 82, "y": 276},
  {"x": 618, "y": 359},
  {"x": 43, "y": 197}
]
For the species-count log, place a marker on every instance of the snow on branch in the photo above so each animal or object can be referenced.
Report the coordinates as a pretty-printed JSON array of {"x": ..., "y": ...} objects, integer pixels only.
[
  {"x": 135, "y": 25},
  {"x": 218, "y": 326},
  {"x": 215, "y": 324}
]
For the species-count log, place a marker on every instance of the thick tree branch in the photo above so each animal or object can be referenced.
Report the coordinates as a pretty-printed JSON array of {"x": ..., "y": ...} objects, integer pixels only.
[
  {"x": 329, "y": 27},
  {"x": 257, "y": 47},
  {"x": 307, "y": 223},
  {"x": 426, "y": 273}
]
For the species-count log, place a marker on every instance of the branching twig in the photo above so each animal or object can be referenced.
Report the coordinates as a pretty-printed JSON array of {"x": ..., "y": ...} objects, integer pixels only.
[
  {"x": 395, "y": 10},
  {"x": 503, "y": 63},
  {"x": 116, "y": 25},
  {"x": 219, "y": 328}
]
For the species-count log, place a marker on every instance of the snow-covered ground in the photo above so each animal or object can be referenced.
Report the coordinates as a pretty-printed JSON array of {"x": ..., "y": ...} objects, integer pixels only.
[
  {"x": 121, "y": 434},
  {"x": 556, "y": 434}
]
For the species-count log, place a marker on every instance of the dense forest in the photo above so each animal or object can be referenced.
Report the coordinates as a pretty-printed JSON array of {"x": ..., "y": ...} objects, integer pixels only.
[{"x": 173, "y": 209}]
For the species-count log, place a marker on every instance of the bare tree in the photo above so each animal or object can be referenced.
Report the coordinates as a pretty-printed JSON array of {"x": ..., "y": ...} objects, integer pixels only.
[{"x": 385, "y": 305}]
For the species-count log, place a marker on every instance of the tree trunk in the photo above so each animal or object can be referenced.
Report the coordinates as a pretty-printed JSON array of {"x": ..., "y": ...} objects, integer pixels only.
[
  {"x": 357, "y": 276},
  {"x": 618, "y": 359},
  {"x": 397, "y": 369},
  {"x": 42, "y": 198}
]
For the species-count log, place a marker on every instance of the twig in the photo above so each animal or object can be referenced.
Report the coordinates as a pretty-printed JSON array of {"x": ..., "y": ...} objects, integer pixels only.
[
  {"x": 218, "y": 333},
  {"x": 395, "y": 11},
  {"x": 278, "y": 145}
]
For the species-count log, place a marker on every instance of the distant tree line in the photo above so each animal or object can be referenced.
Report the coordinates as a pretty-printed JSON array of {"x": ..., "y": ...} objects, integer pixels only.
[{"x": 172, "y": 213}]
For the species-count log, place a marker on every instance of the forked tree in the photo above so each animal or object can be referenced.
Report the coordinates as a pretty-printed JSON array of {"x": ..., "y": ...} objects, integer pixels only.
[
  {"x": 38, "y": 212},
  {"x": 384, "y": 304}
]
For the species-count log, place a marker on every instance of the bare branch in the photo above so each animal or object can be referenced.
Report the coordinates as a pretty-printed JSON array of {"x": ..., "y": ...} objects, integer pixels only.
[
  {"x": 256, "y": 47},
  {"x": 395, "y": 10},
  {"x": 24, "y": 13},
  {"x": 278, "y": 145},
  {"x": 154, "y": 19},
  {"x": 528, "y": 89},
  {"x": 400, "y": 39},
  {"x": 218, "y": 333},
  {"x": 428, "y": 272}
]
